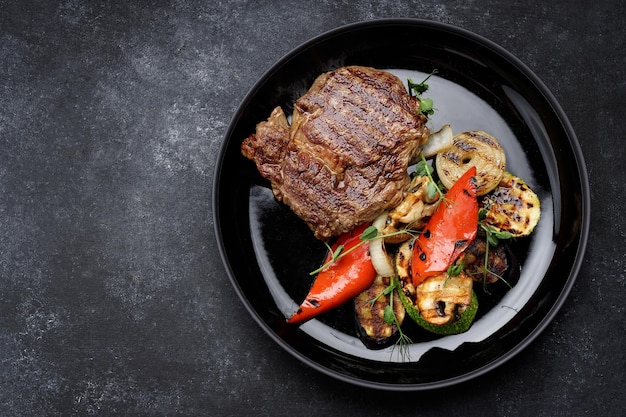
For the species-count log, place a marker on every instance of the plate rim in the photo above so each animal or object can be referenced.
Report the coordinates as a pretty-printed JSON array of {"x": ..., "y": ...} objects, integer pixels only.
[{"x": 573, "y": 141}]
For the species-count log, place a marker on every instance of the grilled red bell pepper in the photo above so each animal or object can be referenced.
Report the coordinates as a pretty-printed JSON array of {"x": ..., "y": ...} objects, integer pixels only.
[
  {"x": 449, "y": 231},
  {"x": 340, "y": 281}
]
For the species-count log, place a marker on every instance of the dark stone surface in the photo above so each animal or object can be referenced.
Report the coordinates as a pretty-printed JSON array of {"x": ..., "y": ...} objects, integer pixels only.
[{"x": 113, "y": 298}]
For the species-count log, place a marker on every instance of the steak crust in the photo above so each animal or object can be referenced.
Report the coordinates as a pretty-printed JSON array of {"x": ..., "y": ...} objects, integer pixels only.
[{"x": 344, "y": 158}]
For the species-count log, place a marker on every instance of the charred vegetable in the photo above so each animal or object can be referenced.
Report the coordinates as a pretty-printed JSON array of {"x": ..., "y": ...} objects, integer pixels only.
[
  {"x": 443, "y": 299},
  {"x": 373, "y": 308},
  {"x": 483, "y": 263},
  {"x": 448, "y": 232},
  {"x": 512, "y": 207},
  {"x": 442, "y": 304},
  {"x": 475, "y": 148},
  {"x": 347, "y": 271},
  {"x": 412, "y": 212}
]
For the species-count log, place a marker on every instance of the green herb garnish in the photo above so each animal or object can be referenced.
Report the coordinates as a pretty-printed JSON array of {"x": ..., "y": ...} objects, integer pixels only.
[
  {"x": 422, "y": 168},
  {"x": 389, "y": 316},
  {"x": 426, "y": 104},
  {"x": 368, "y": 234},
  {"x": 455, "y": 269}
]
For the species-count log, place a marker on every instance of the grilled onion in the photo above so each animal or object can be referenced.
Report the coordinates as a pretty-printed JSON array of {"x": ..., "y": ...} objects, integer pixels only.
[
  {"x": 475, "y": 148},
  {"x": 438, "y": 142},
  {"x": 380, "y": 260}
]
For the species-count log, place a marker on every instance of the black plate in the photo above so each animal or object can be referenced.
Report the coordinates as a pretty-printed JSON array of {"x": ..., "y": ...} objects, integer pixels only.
[{"x": 268, "y": 252}]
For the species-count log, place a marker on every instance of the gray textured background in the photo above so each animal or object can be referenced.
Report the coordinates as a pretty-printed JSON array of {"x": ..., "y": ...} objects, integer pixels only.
[{"x": 113, "y": 299}]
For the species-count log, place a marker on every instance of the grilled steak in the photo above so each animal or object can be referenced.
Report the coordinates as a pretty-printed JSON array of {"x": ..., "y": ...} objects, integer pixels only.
[{"x": 343, "y": 160}]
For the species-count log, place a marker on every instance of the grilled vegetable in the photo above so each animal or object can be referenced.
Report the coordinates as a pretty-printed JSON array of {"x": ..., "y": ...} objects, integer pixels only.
[
  {"x": 438, "y": 142},
  {"x": 475, "y": 148},
  {"x": 375, "y": 331},
  {"x": 484, "y": 264},
  {"x": 380, "y": 260},
  {"x": 342, "y": 279},
  {"x": 442, "y": 299},
  {"x": 512, "y": 207},
  {"x": 448, "y": 232},
  {"x": 403, "y": 264},
  {"x": 440, "y": 304},
  {"x": 411, "y": 213}
]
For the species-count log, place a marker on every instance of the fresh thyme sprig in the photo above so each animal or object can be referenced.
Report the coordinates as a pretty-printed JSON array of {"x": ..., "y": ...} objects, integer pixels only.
[{"x": 368, "y": 234}]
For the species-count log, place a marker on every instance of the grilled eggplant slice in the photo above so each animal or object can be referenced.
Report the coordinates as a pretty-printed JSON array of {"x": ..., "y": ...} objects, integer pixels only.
[
  {"x": 475, "y": 148},
  {"x": 474, "y": 261},
  {"x": 369, "y": 306},
  {"x": 512, "y": 207},
  {"x": 441, "y": 304}
]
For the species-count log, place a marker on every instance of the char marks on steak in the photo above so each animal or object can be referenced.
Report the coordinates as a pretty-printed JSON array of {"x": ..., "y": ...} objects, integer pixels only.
[{"x": 344, "y": 159}]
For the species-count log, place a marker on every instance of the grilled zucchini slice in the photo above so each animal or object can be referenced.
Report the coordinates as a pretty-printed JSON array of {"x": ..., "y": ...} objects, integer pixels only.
[{"x": 512, "y": 207}]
